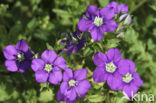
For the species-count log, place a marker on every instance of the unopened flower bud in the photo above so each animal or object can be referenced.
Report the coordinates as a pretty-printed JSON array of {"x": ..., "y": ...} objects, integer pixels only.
[{"x": 126, "y": 18}]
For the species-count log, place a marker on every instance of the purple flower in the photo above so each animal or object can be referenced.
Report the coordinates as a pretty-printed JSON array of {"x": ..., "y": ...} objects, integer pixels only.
[
  {"x": 73, "y": 42},
  {"x": 98, "y": 22},
  {"x": 48, "y": 68},
  {"x": 18, "y": 57},
  {"x": 130, "y": 79},
  {"x": 74, "y": 85},
  {"x": 61, "y": 97},
  {"x": 107, "y": 68},
  {"x": 119, "y": 73},
  {"x": 117, "y": 8}
]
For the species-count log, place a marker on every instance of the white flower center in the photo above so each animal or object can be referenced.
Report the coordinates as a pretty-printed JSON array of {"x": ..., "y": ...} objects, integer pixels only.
[
  {"x": 127, "y": 78},
  {"x": 20, "y": 57},
  {"x": 110, "y": 67},
  {"x": 98, "y": 21},
  {"x": 72, "y": 83},
  {"x": 48, "y": 67}
]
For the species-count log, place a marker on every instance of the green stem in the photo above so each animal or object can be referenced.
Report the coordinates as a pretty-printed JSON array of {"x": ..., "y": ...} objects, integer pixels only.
[
  {"x": 138, "y": 6},
  {"x": 107, "y": 97}
]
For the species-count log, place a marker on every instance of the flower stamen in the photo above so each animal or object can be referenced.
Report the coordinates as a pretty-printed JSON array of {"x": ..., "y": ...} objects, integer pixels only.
[
  {"x": 127, "y": 78},
  {"x": 20, "y": 57},
  {"x": 48, "y": 68},
  {"x": 98, "y": 21},
  {"x": 72, "y": 83},
  {"x": 110, "y": 67}
]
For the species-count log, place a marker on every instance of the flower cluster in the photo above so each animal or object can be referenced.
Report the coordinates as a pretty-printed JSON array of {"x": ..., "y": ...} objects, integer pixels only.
[
  {"x": 99, "y": 21},
  {"x": 74, "y": 42},
  {"x": 119, "y": 73},
  {"x": 123, "y": 9},
  {"x": 48, "y": 69}
]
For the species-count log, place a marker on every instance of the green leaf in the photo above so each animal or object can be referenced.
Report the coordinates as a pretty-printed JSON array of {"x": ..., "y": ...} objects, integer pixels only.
[
  {"x": 87, "y": 51},
  {"x": 103, "y": 3},
  {"x": 131, "y": 36},
  {"x": 150, "y": 44},
  {"x": 139, "y": 47},
  {"x": 42, "y": 34},
  {"x": 15, "y": 30},
  {"x": 49, "y": 46},
  {"x": 3, "y": 8},
  {"x": 96, "y": 98},
  {"x": 153, "y": 7},
  {"x": 3, "y": 93},
  {"x": 32, "y": 24},
  {"x": 46, "y": 96},
  {"x": 154, "y": 32},
  {"x": 149, "y": 20},
  {"x": 30, "y": 96},
  {"x": 61, "y": 12},
  {"x": 112, "y": 43},
  {"x": 97, "y": 85}
]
